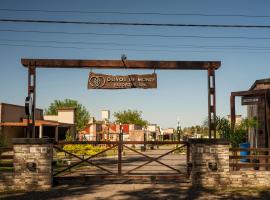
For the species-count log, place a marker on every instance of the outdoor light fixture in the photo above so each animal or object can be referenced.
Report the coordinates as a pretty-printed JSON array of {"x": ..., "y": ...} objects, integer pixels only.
[
  {"x": 31, "y": 166},
  {"x": 212, "y": 166}
]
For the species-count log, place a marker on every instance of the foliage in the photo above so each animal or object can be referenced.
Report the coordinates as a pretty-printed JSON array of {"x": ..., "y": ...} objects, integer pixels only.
[
  {"x": 239, "y": 134},
  {"x": 130, "y": 117},
  {"x": 249, "y": 123},
  {"x": 190, "y": 131},
  {"x": 69, "y": 137},
  {"x": 82, "y": 116},
  {"x": 83, "y": 149},
  {"x": 223, "y": 126}
]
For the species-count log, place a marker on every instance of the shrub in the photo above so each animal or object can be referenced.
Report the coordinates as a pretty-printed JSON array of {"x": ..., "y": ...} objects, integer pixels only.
[{"x": 83, "y": 149}]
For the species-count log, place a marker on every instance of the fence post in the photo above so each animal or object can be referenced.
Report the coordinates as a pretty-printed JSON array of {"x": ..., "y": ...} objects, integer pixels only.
[
  {"x": 188, "y": 159},
  {"x": 120, "y": 148}
]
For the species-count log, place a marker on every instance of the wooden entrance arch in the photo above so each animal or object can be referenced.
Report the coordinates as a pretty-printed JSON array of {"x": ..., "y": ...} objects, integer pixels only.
[{"x": 209, "y": 66}]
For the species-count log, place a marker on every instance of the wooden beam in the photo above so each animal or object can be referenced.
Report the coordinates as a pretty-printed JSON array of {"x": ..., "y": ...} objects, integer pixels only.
[
  {"x": 119, "y": 64},
  {"x": 249, "y": 93}
]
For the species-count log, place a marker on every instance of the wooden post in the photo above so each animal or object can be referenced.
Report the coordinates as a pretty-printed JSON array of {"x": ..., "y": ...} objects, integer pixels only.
[
  {"x": 232, "y": 102},
  {"x": 32, "y": 95},
  {"x": 211, "y": 102},
  {"x": 120, "y": 148},
  {"x": 188, "y": 159},
  {"x": 56, "y": 133},
  {"x": 40, "y": 131}
]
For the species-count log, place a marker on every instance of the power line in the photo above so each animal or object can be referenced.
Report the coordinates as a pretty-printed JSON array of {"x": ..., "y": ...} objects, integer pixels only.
[
  {"x": 143, "y": 45},
  {"x": 116, "y": 49},
  {"x": 134, "y": 13},
  {"x": 133, "y": 35},
  {"x": 132, "y": 23}
]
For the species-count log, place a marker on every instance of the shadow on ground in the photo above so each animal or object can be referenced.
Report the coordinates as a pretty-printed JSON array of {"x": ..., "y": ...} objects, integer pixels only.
[{"x": 136, "y": 191}]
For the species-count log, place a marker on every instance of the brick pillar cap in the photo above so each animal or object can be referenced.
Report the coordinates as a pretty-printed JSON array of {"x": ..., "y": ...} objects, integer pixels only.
[
  {"x": 32, "y": 140},
  {"x": 208, "y": 141}
]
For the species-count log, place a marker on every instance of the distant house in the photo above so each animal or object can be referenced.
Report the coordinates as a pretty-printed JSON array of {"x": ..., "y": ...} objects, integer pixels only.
[
  {"x": 168, "y": 133},
  {"x": 238, "y": 119},
  {"x": 260, "y": 136},
  {"x": 103, "y": 130},
  {"x": 257, "y": 100},
  {"x": 13, "y": 123}
]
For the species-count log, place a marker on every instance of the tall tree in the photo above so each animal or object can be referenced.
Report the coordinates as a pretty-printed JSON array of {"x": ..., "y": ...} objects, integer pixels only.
[
  {"x": 130, "y": 117},
  {"x": 82, "y": 116}
]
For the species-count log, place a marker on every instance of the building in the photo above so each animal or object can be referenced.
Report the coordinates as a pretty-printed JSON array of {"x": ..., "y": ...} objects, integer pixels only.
[
  {"x": 13, "y": 123},
  {"x": 257, "y": 109},
  {"x": 168, "y": 133},
  {"x": 238, "y": 119},
  {"x": 257, "y": 100},
  {"x": 104, "y": 131}
]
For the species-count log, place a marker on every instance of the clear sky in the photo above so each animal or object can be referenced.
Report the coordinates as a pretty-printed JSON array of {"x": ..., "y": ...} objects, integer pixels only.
[{"x": 180, "y": 94}]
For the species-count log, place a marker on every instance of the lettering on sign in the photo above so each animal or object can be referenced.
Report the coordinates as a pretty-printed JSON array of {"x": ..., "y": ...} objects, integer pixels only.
[
  {"x": 104, "y": 81},
  {"x": 250, "y": 100}
]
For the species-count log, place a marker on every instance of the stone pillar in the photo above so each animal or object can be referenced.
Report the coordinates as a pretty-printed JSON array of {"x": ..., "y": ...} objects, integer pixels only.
[
  {"x": 210, "y": 162},
  {"x": 32, "y": 163}
]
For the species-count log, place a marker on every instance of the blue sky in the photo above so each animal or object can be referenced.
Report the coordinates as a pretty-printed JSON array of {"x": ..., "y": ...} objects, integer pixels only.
[{"x": 180, "y": 94}]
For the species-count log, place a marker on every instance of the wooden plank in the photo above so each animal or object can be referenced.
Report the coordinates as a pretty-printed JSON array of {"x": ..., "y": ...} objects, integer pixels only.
[
  {"x": 250, "y": 149},
  {"x": 249, "y": 164},
  {"x": 119, "y": 64},
  {"x": 249, "y": 93},
  {"x": 124, "y": 142},
  {"x": 105, "y": 81},
  {"x": 6, "y": 164},
  {"x": 251, "y": 156},
  {"x": 7, "y": 157}
]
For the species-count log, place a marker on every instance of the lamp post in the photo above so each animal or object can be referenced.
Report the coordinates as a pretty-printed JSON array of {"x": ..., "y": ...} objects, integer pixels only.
[{"x": 178, "y": 130}]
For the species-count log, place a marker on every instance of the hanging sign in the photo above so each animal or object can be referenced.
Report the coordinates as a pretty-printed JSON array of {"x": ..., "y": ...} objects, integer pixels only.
[
  {"x": 104, "y": 81},
  {"x": 250, "y": 100}
]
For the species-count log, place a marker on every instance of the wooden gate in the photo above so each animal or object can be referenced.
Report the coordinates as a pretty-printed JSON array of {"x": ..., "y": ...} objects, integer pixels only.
[{"x": 121, "y": 160}]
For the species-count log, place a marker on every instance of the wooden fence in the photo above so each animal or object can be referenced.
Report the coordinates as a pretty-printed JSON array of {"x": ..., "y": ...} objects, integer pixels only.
[
  {"x": 6, "y": 159},
  {"x": 255, "y": 158}
]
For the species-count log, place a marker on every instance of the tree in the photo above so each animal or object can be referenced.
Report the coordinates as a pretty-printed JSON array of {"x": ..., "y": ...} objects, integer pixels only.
[
  {"x": 82, "y": 116},
  {"x": 130, "y": 117},
  {"x": 238, "y": 134}
]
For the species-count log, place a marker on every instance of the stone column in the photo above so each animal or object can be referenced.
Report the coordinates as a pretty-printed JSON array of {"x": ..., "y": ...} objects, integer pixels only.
[
  {"x": 32, "y": 163},
  {"x": 210, "y": 162}
]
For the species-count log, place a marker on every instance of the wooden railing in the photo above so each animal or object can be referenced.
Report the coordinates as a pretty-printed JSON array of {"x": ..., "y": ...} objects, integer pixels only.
[
  {"x": 6, "y": 159},
  {"x": 257, "y": 159}
]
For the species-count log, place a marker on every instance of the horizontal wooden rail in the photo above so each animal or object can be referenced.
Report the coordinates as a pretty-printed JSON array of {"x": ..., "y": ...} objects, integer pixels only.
[
  {"x": 6, "y": 157},
  {"x": 6, "y": 164},
  {"x": 249, "y": 164},
  {"x": 250, "y": 149},
  {"x": 251, "y": 156},
  {"x": 124, "y": 142},
  {"x": 5, "y": 149}
]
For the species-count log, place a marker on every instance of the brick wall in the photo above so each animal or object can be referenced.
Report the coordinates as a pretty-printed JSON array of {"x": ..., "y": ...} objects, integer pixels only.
[
  {"x": 205, "y": 152},
  {"x": 32, "y": 164},
  {"x": 6, "y": 181}
]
